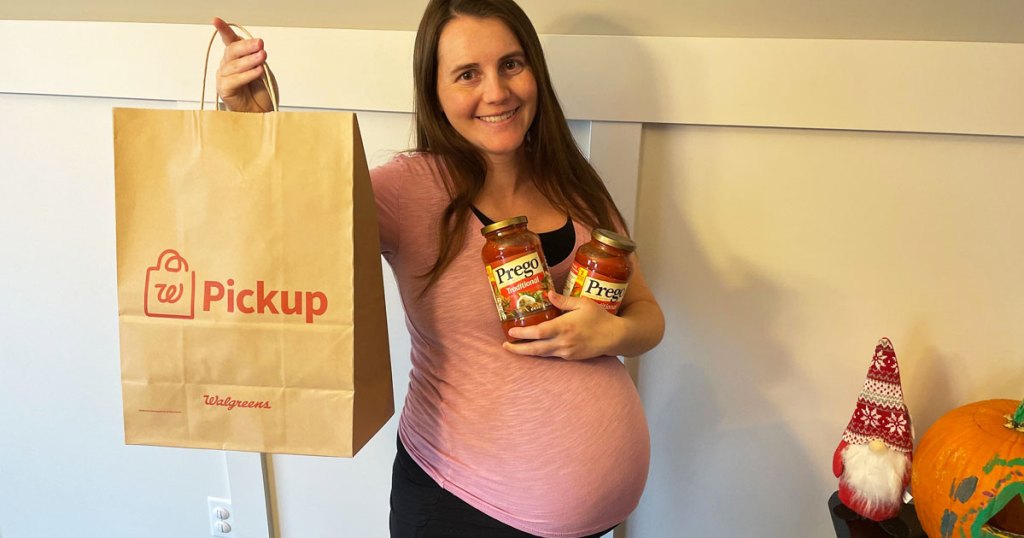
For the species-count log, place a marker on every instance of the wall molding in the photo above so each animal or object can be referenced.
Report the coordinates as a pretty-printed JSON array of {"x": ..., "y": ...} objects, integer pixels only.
[
  {"x": 249, "y": 476},
  {"x": 909, "y": 86}
]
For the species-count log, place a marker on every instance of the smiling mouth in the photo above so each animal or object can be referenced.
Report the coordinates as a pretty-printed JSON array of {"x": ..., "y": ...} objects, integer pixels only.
[{"x": 498, "y": 118}]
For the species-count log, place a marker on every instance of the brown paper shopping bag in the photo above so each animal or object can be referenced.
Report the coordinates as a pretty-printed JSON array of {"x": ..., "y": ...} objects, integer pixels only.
[{"x": 250, "y": 296}]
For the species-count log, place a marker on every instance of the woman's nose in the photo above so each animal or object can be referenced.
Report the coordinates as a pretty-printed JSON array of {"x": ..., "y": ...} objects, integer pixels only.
[{"x": 495, "y": 89}]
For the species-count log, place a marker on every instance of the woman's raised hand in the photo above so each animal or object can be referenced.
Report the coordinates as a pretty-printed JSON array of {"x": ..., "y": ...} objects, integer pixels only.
[{"x": 240, "y": 76}]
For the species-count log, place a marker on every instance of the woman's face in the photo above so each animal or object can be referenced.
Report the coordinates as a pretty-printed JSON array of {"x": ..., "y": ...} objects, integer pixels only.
[{"x": 485, "y": 87}]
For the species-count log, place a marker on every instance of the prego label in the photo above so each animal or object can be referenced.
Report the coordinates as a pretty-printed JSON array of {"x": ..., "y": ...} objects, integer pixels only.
[
  {"x": 594, "y": 286},
  {"x": 520, "y": 286}
]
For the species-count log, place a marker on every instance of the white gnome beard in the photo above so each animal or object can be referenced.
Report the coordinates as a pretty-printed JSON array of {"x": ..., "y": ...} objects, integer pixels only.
[{"x": 875, "y": 478}]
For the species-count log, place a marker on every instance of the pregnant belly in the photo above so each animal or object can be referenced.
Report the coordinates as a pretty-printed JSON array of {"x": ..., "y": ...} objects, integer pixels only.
[{"x": 553, "y": 454}]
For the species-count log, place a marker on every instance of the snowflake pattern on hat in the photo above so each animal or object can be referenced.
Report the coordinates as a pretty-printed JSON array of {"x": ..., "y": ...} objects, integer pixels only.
[{"x": 881, "y": 413}]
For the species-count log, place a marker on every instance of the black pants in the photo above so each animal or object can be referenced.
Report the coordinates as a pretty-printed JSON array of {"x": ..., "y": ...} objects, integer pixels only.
[{"x": 420, "y": 508}]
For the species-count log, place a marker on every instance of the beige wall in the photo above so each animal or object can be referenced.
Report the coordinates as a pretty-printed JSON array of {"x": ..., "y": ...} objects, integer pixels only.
[
  {"x": 779, "y": 254},
  {"x": 940, "y": 20},
  {"x": 780, "y": 257}
]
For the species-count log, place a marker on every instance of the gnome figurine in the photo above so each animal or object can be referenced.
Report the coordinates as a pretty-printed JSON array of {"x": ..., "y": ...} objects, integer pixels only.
[{"x": 873, "y": 459}]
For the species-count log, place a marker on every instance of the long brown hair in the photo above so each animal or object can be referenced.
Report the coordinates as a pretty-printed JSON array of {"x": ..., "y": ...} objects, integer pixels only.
[{"x": 551, "y": 158}]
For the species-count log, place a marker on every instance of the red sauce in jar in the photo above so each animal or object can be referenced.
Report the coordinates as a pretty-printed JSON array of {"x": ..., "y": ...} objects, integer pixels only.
[
  {"x": 518, "y": 273},
  {"x": 601, "y": 269}
]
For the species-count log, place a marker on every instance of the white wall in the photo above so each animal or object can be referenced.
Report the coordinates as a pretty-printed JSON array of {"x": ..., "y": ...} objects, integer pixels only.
[
  {"x": 781, "y": 257},
  {"x": 64, "y": 469},
  {"x": 782, "y": 231}
]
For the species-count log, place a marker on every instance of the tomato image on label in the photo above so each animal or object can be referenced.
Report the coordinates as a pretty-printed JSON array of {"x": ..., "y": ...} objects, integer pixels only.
[{"x": 520, "y": 286}]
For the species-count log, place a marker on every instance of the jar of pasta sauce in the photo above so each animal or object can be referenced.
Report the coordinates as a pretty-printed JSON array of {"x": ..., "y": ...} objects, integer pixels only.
[
  {"x": 518, "y": 274},
  {"x": 601, "y": 269}
]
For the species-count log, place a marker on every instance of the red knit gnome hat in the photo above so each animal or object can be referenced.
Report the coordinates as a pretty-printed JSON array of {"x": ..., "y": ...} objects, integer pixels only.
[{"x": 881, "y": 413}]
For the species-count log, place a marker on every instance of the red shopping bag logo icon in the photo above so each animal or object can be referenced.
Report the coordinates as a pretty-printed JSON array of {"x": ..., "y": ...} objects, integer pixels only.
[{"x": 170, "y": 288}]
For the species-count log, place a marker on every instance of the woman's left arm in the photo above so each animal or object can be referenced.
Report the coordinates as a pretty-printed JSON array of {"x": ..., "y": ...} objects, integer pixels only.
[{"x": 585, "y": 330}]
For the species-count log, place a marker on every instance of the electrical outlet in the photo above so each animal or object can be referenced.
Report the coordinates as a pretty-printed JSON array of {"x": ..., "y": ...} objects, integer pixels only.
[{"x": 222, "y": 517}]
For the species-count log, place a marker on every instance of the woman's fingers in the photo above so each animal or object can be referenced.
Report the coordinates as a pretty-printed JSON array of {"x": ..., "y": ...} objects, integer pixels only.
[
  {"x": 233, "y": 76},
  {"x": 541, "y": 339},
  {"x": 543, "y": 330},
  {"x": 537, "y": 348},
  {"x": 229, "y": 86},
  {"x": 242, "y": 49},
  {"x": 227, "y": 35},
  {"x": 242, "y": 64}
]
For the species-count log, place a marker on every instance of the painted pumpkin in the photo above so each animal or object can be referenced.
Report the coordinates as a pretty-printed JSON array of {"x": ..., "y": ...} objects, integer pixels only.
[{"x": 968, "y": 476}]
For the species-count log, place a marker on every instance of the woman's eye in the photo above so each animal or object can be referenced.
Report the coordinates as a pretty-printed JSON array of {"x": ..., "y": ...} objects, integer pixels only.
[
  {"x": 466, "y": 75},
  {"x": 512, "y": 65}
]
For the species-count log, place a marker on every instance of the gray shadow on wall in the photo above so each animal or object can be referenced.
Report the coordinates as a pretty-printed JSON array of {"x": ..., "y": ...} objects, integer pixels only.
[
  {"x": 927, "y": 387},
  {"x": 723, "y": 462},
  {"x": 720, "y": 454}
]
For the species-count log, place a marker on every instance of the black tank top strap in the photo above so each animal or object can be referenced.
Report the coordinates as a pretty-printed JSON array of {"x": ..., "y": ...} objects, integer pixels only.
[{"x": 557, "y": 244}]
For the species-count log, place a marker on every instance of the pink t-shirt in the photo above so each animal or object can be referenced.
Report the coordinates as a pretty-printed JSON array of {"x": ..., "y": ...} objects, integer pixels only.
[{"x": 555, "y": 448}]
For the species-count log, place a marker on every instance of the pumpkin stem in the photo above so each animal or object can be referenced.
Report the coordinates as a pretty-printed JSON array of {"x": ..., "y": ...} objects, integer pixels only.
[{"x": 1018, "y": 418}]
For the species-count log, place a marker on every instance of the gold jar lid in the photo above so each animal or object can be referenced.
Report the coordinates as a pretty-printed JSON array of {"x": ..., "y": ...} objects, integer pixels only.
[
  {"x": 494, "y": 226},
  {"x": 613, "y": 239}
]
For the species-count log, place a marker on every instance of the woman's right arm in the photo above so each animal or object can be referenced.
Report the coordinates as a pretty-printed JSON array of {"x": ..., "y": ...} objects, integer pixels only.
[{"x": 240, "y": 76}]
